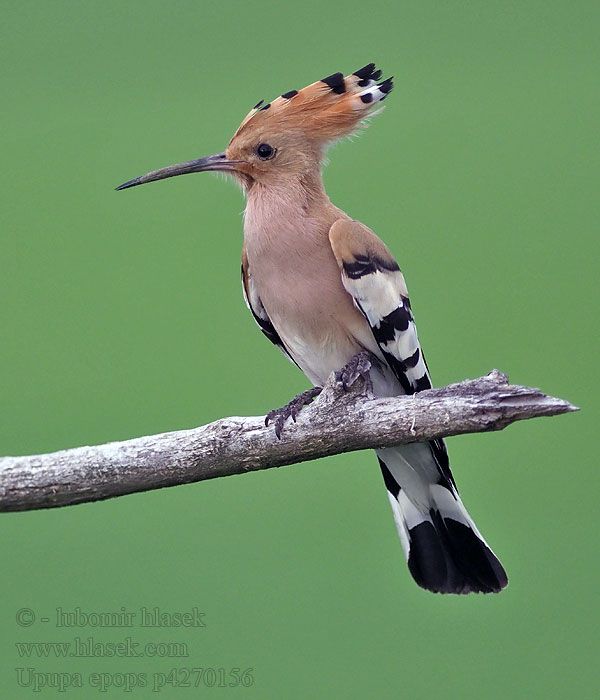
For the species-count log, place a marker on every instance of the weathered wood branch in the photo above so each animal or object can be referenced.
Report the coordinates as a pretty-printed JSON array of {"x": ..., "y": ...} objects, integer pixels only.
[{"x": 338, "y": 421}]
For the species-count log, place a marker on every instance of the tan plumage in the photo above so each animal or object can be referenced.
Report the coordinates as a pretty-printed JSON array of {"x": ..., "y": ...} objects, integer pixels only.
[{"x": 324, "y": 288}]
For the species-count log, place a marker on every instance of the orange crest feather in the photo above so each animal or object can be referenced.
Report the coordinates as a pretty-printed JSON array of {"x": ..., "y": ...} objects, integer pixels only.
[{"x": 328, "y": 109}]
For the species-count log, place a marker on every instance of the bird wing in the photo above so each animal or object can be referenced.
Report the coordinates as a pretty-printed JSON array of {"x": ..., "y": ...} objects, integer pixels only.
[
  {"x": 257, "y": 309},
  {"x": 373, "y": 279}
]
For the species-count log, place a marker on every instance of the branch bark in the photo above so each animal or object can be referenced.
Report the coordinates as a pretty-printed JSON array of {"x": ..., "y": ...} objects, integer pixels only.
[{"x": 338, "y": 421}]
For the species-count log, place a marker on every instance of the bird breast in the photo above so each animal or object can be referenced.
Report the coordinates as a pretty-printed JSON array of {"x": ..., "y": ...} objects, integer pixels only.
[{"x": 297, "y": 278}]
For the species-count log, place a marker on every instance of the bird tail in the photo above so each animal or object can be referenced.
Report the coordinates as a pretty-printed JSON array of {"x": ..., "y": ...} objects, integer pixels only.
[{"x": 444, "y": 549}]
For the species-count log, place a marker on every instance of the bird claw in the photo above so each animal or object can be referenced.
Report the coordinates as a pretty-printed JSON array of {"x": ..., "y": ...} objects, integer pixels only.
[
  {"x": 359, "y": 366},
  {"x": 278, "y": 416}
]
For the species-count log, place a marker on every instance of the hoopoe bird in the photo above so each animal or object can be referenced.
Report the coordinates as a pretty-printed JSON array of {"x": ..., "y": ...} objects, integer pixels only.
[{"x": 327, "y": 291}]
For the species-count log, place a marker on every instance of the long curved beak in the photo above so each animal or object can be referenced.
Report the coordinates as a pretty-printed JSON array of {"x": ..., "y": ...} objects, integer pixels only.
[{"x": 217, "y": 162}]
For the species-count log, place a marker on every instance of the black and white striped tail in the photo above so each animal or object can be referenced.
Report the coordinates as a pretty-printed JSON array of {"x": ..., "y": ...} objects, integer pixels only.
[{"x": 444, "y": 549}]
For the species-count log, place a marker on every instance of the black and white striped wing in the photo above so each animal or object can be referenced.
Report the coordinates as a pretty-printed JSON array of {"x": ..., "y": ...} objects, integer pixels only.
[
  {"x": 377, "y": 293},
  {"x": 373, "y": 279}
]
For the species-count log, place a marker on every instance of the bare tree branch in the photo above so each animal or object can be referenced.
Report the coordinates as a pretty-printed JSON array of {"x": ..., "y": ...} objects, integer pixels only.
[{"x": 338, "y": 421}]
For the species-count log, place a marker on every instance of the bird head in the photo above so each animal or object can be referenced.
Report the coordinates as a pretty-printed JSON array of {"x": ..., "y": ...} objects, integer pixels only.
[{"x": 285, "y": 140}]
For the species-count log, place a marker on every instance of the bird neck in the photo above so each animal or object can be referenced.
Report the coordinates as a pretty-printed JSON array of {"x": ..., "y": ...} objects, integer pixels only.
[{"x": 289, "y": 206}]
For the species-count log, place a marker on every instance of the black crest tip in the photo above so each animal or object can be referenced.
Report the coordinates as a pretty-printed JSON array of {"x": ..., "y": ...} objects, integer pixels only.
[
  {"x": 290, "y": 94},
  {"x": 258, "y": 104},
  {"x": 386, "y": 86},
  {"x": 335, "y": 81},
  {"x": 366, "y": 72}
]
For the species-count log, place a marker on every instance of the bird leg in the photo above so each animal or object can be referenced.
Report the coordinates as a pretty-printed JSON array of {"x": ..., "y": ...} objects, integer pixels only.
[
  {"x": 359, "y": 366},
  {"x": 291, "y": 409}
]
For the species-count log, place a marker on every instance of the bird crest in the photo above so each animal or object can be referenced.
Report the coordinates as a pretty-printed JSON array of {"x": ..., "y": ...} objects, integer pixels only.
[{"x": 326, "y": 110}]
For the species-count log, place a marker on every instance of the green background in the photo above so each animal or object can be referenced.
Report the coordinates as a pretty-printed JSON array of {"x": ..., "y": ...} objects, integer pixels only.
[{"x": 121, "y": 315}]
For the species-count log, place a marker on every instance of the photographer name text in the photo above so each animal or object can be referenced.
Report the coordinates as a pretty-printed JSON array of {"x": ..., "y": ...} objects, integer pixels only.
[{"x": 142, "y": 617}]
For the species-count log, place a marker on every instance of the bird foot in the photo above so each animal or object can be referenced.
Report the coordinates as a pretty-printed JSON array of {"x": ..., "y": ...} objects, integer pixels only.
[
  {"x": 291, "y": 409},
  {"x": 359, "y": 366}
]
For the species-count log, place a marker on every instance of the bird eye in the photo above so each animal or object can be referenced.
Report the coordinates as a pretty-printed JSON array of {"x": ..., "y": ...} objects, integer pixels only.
[{"x": 265, "y": 152}]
